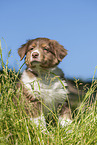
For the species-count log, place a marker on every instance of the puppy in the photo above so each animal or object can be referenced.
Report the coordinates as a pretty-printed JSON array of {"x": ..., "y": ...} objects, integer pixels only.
[{"x": 43, "y": 82}]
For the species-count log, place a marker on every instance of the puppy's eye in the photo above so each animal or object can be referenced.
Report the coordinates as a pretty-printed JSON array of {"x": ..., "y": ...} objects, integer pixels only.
[
  {"x": 31, "y": 48},
  {"x": 45, "y": 49}
]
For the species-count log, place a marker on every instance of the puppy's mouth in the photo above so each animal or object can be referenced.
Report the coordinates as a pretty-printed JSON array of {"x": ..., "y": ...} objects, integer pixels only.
[
  {"x": 39, "y": 64},
  {"x": 35, "y": 63}
]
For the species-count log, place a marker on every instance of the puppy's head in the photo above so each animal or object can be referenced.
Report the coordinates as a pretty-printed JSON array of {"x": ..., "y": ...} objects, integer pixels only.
[{"x": 43, "y": 52}]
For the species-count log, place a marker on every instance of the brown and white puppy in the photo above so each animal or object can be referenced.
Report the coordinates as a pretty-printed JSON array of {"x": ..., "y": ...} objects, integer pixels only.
[{"x": 43, "y": 81}]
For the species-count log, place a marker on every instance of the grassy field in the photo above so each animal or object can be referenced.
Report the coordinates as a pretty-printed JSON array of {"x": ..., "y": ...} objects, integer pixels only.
[{"x": 16, "y": 128}]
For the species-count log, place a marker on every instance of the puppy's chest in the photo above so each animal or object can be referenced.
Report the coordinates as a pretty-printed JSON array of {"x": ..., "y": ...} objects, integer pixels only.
[{"x": 49, "y": 87}]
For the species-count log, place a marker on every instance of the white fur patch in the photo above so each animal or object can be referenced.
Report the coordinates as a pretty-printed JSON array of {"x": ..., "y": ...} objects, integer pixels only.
[
  {"x": 36, "y": 50},
  {"x": 64, "y": 122},
  {"x": 39, "y": 121},
  {"x": 50, "y": 87}
]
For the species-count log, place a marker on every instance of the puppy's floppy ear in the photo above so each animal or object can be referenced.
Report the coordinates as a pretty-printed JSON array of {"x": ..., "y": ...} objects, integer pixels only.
[
  {"x": 22, "y": 51},
  {"x": 60, "y": 51}
]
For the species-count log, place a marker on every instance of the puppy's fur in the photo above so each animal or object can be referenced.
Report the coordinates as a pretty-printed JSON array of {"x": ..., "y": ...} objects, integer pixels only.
[{"x": 43, "y": 82}]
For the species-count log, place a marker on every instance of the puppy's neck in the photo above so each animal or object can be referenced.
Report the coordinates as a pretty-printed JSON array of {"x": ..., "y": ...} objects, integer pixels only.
[{"x": 38, "y": 71}]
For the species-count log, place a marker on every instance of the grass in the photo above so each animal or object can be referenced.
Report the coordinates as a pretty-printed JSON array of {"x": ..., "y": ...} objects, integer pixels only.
[{"x": 16, "y": 127}]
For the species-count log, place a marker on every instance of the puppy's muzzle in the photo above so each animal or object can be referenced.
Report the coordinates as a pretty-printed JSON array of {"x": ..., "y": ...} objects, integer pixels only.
[{"x": 35, "y": 55}]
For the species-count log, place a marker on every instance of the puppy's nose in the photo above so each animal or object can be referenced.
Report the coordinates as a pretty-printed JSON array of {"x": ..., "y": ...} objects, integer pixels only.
[{"x": 35, "y": 54}]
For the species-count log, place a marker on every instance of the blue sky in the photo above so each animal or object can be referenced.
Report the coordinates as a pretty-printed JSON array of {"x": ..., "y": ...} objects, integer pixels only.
[{"x": 73, "y": 23}]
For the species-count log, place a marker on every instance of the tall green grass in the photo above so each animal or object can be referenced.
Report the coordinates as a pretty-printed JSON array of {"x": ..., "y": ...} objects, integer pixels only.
[{"x": 16, "y": 127}]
